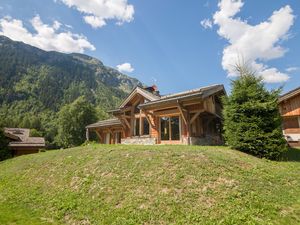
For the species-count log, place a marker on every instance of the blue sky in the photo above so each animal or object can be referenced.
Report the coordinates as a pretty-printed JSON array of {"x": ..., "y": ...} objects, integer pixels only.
[{"x": 164, "y": 41}]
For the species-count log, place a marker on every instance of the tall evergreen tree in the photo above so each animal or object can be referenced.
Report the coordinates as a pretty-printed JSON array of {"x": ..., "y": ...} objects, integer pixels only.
[
  {"x": 252, "y": 122},
  {"x": 72, "y": 121}
]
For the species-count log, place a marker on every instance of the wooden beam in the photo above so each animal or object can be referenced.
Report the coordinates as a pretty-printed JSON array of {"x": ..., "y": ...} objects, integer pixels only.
[
  {"x": 195, "y": 116},
  {"x": 149, "y": 113},
  {"x": 140, "y": 119},
  {"x": 180, "y": 108},
  {"x": 148, "y": 118},
  {"x": 167, "y": 112},
  {"x": 98, "y": 135},
  {"x": 126, "y": 122}
]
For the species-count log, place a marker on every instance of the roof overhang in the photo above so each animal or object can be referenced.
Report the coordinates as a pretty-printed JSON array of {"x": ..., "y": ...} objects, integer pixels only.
[
  {"x": 173, "y": 100},
  {"x": 105, "y": 123},
  {"x": 289, "y": 95},
  {"x": 182, "y": 97}
]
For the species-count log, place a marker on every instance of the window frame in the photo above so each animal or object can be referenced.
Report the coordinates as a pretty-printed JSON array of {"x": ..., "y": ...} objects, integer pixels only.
[{"x": 170, "y": 129}]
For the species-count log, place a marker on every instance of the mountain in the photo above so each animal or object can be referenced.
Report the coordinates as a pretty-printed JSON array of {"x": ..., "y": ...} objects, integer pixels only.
[{"x": 35, "y": 83}]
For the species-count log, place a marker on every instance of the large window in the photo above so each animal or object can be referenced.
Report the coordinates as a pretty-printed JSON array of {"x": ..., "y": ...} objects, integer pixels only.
[
  {"x": 137, "y": 127},
  {"x": 145, "y": 127},
  {"x": 169, "y": 128},
  {"x": 164, "y": 128}
]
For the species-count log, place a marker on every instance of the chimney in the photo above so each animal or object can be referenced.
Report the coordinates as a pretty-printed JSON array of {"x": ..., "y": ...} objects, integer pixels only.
[{"x": 153, "y": 89}]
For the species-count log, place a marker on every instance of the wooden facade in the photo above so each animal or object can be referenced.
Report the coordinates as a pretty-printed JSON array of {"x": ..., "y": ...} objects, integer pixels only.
[
  {"x": 145, "y": 117},
  {"x": 20, "y": 142},
  {"x": 289, "y": 106}
]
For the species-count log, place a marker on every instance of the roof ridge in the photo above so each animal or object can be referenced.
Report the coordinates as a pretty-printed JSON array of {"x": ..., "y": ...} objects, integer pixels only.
[{"x": 189, "y": 91}]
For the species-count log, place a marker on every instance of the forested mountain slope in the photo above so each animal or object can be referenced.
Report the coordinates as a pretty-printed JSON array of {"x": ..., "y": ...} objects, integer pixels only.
[{"x": 35, "y": 85}]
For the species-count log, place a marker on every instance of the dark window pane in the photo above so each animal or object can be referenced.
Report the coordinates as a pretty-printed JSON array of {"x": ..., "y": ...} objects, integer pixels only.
[
  {"x": 164, "y": 128},
  {"x": 146, "y": 127},
  {"x": 175, "y": 128},
  {"x": 137, "y": 127}
]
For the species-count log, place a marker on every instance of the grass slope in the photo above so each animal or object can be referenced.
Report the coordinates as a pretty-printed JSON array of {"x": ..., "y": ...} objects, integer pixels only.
[{"x": 100, "y": 184}]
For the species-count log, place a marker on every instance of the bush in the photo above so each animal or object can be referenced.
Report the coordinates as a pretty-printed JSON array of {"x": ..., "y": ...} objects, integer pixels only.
[
  {"x": 5, "y": 153},
  {"x": 72, "y": 121},
  {"x": 252, "y": 122}
]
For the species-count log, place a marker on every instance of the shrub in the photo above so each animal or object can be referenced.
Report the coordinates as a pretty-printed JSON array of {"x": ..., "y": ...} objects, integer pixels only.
[{"x": 252, "y": 122}]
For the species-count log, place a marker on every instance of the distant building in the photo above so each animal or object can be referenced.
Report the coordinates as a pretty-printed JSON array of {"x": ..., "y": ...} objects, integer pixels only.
[
  {"x": 289, "y": 106},
  {"x": 146, "y": 117},
  {"x": 21, "y": 143}
]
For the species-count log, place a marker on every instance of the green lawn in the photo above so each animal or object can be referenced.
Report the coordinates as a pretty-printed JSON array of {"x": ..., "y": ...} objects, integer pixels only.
[{"x": 100, "y": 184}]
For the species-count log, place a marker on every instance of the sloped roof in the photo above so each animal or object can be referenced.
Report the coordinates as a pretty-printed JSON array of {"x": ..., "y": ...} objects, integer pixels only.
[
  {"x": 202, "y": 92},
  {"x": 104, "y": 123},
  {"x": 148, "y": 95},
  {"x": 289, "y": 94},
  {"x": 21, "y": 137}
]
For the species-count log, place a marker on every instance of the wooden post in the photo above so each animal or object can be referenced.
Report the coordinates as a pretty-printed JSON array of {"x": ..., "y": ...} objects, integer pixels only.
[
  {"x": 99, "y": 136},
  {"x": 87, "y": 135},
  {"x": 140, "y": 134},
  {"x": 188, "y": 127}
]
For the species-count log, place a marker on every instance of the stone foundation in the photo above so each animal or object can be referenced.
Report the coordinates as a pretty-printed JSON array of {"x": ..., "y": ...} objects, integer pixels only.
[
  {"x": 208, "y": 140},
  {"x": 139, "y": 141}
]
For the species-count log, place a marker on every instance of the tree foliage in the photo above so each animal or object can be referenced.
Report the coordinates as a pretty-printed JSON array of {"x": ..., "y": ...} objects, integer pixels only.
[
  {"x": 252, "y": 122},
  {"x": 72, "y": 121},
  {"x": 5, "y": 153}
]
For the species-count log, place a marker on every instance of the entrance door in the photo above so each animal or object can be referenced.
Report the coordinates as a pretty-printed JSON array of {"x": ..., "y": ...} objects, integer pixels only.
[
  {"x": 107, "y": 138},
  {"x": 170, "y": 128},
  {"x": 118, "y": 138}
]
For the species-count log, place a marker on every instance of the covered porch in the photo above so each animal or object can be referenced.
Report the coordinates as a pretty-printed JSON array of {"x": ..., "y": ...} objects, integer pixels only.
[{"x": 108, "y": 131}]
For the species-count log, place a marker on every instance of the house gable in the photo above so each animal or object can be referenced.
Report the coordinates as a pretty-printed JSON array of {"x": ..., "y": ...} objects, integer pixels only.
[{"x": 136, "y": 94}]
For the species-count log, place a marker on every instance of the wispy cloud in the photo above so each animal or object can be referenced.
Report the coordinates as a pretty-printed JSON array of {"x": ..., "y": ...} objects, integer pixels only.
[
  {"x": 45, "y": 36},
  {"x": 206, "y": 23},
  {"x": 98, "y": 12},
  {"x": 292, "y": 69},
  {"x": 256, "y": 44}
]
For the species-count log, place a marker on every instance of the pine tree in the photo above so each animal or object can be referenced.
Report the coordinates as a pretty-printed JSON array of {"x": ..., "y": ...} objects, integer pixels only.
[{"x": 252, "y": 122}]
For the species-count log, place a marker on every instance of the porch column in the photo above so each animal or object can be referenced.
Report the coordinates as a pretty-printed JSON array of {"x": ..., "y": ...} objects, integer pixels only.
[
  {"x": 299, "y": 121},
  {"x": 140, "y": 128},
  {"x": 188, "y": 127},
  {"x": 87, "y": 135}
]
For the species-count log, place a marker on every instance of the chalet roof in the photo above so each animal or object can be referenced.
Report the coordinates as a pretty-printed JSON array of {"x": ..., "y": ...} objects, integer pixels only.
[
  {"x": 289, "y": 94},
  {"x": 104, "y": 123},
  {"x": 202, "y": 92},
  {"x": 20, "y": 137},
  {"x": 147, "y": 94}
]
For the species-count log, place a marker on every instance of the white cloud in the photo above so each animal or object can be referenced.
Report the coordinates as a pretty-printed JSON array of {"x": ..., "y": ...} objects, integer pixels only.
[
  {"x": 256, "y": 44},
  {"x": 206, "y": 23},
  {"x": 97, "y": 12},
  {"x": 125, "y": 68},
  {"x": 292, "y": 69},
  {"x": 47, "y": 37}
]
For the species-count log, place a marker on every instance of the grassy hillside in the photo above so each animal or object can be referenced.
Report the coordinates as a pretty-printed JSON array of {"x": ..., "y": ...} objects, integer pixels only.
[{"x": 100, "y": 184}]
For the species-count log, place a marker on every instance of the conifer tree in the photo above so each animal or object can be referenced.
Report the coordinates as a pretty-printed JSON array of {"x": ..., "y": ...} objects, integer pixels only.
[{"x": 252, "y": 122}]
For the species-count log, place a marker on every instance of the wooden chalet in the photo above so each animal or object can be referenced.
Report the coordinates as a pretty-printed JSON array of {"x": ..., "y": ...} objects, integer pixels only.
[
  {"x": 289, "y": 106},
  {"x": 145, "y": 117},
  {"x": 21, "y": 143}
]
